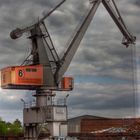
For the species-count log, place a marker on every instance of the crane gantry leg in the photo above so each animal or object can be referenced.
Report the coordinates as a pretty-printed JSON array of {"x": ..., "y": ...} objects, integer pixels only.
[{"x": 45, "y": 111}]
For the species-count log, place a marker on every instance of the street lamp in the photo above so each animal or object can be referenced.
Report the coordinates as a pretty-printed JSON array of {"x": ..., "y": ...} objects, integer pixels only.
[
  {"x": 23, "y": 102},
  {"x": 65, "y": 99}
]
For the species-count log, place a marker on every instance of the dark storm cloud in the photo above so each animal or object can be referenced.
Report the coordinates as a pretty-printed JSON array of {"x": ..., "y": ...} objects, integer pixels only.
[
  {"x": 103, "y": 97},
  {"x": 107, "y": 59},
  {"x": 17, "y": 2},
  {"x": 11, "y": 99},
  {"x": 97, "y": 103},
  {"x": 15, "y": 14},
  {"x": 136, "y": 2},
  {"x": 8, "y": 104},
  {"x": 100, "y": 52}
]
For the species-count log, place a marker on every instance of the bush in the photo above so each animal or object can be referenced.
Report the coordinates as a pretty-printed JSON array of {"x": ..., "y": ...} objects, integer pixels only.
[{"x": 7, "y": 128}]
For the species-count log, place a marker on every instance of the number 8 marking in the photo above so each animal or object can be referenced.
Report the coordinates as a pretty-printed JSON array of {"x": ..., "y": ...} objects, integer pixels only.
[{"x": 20, "y": 73}]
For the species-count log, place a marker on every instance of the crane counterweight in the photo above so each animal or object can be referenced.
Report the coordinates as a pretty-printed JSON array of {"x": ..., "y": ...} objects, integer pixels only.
[{"x": 16, "y": 33}]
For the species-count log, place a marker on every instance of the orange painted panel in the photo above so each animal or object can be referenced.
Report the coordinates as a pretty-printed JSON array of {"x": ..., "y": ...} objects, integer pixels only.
[
  {"x": 67, "y": 83},
  {"x": 6, "y": 74},
  {"x": 29, "y": 75},
  {"x": 18, "y": 76}
]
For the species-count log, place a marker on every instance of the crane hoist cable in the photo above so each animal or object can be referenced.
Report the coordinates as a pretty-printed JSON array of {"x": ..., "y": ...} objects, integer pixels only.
[{"x": 134, "y": 78}]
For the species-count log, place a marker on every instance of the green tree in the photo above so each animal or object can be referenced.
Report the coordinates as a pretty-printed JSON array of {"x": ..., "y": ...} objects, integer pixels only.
[
  {"x": 17, "y": 123},
  {"x": 3, "y": 127},
  {"x": 7, "y": 128},
  {"x": 15, "y": 128}
]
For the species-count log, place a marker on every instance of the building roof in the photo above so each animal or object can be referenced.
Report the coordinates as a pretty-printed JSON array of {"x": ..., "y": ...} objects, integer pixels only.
[{"x": 86, "y": 117}]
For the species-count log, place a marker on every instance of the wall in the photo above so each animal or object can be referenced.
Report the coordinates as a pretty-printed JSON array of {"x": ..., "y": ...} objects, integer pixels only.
[{"x": 90, "y": 125}]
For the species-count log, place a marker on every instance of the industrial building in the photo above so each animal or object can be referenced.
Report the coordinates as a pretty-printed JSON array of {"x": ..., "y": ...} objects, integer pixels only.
[
  {"x": 89, "y": 127},
  {"x": 76, "y": 124},
  {"x": 89, "y": 123}
]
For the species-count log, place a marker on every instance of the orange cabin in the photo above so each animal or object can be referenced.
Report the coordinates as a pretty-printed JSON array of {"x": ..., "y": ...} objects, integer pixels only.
[
  {"x": 22, "y": 77},
  {"x": 29, "y": 77},
  {"x": 67, "y": 83}
]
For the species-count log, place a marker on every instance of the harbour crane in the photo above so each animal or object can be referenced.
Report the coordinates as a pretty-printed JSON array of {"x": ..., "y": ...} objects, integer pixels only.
[{"x": 45, "y": 71}]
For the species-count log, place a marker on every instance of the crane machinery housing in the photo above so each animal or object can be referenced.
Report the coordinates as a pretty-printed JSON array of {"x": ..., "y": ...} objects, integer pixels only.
[{"x": 44, "y": 72}]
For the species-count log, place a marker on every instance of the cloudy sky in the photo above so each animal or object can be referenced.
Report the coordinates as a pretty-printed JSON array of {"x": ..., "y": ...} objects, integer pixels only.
[{"x": 102, "y": 67}]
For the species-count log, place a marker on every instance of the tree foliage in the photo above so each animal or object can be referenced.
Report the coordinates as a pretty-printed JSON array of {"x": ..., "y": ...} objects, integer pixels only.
[{"x": 7, "y": 128}]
